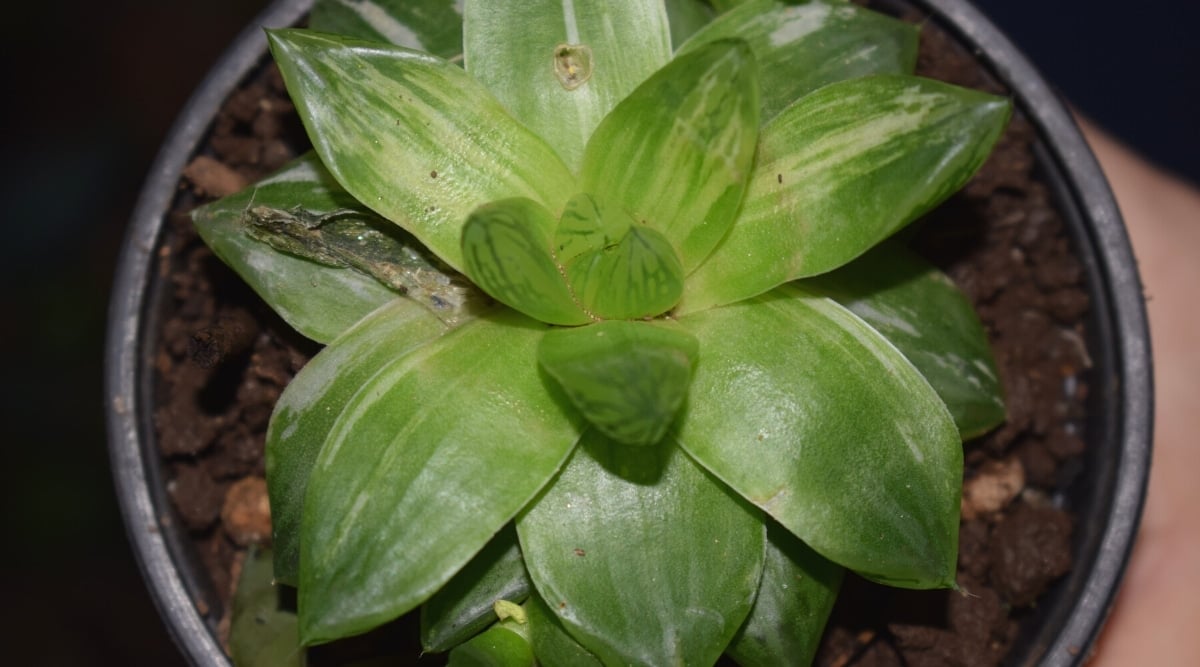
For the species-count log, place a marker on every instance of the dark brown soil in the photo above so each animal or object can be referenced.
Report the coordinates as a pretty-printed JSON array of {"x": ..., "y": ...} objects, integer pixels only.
[{"x": 224, "y": 358}]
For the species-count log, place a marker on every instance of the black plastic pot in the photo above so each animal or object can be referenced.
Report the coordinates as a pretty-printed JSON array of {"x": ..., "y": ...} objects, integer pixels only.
[{"x": 1107, "y": 501}]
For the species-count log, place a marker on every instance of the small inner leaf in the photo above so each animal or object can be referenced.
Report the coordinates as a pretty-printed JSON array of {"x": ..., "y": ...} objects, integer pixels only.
[
  {"x": 638, "y": 276},
  {"x": 584, "y": 227},
  {"x": 627, "y": 378},
  {"x": 572, "y": 64},
  {"x": 506, "y": 255}
]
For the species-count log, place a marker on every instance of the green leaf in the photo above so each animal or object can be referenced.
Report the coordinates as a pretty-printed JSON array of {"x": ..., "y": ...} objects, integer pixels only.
[
  {"x": 463, "y": 606},
  {"x": 812, "y": 415},
  {"x": 318, "y": 301},
  {"x": 432, "y": 26},
  {"x": 686, "y": 17},
  {"x": 561, "y": 65},
  {"x": 392, "y": 127},
  {"x": 430, "y": 458},
  {"x": 506, "y": 250},
  {"x": 261, "y": 632},
  {"x": 552, "y": 645},
  {"x": 803, "y": 47},
  {"x": 638, "y": 276},
  {"x": 676, "y": 153},
  {"x": 627, "y": 378},
  {"x": 643, "y": 557},
  {"x": 796, "y": 594},
  {"x": 500, "y": 646},
  {"x": 841, "y": 170},
  {"x": 930, "y": 321},
  {"x": 315, "y": 398}
]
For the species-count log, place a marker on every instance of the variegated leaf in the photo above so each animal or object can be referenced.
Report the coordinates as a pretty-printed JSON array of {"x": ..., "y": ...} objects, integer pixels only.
[
  {"x": 675, "y": 155},
  {"x": 432, "y": 26},
  {"x": 638, "y": 276},
  {"x": 412, "y": 136},
  {"x": 801, "y": 47},
  {"x": 625, "y": 537},
  {"x": 841, "y": 170},
  {"x": 317, "y": 300},
  {"x": 312, "y": 402},
  {"x": 812, "y": 415},
  {"x": 627, "y": 378},
  {"x": 930, "y": 321},
  {"x": 561, "y": 65},
  {"x": 397, "y": 502}
]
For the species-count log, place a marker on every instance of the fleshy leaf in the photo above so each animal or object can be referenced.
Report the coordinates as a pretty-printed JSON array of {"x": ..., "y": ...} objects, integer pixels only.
[
  {"x": 552, "y": 645},
  {"x": 314, "y": 399},
  {"x": 812, "y": 415},
  {"x": 261, "y": 632},
  {"x": 412, "y": 136},
  {"x": 930, "y": 321},
  {"x": 676, "y": 153},
  {"x": 841, "y": 170},
  {"x": 506, "y": 250},
  {"x": 397, "y": 502},
  {"x": 800, "y": 48},
  {"x": 686, "y": 17},
  {"x": 561, "y": 65},
  {"x": 627, "y": 378},
  {"x": 432, "y": 26},
  {"x": 463, "y": 606},
  {"x": 317, "y": 300},
  {"x": 796, "y": 594},
  {"x": 584, "y": 227},
  {"x": 499, "y": 646},
  {"x": 638, "y": 276},
  {"x": 643, "y": 557}
]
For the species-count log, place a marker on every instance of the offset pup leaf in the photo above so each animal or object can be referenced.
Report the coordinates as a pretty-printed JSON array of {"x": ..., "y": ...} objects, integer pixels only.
[
  {"x": 627, "y": 378},
  {"x": 315, "y": 398},
  {"x": 319, "y": 301},
  {"x": 624, "y": 537},
  {"x": 930, "y": 321},
  {"x": 676, "y": 153},
  {"x": 397, "y": 503},
  {"x": 261, "y": 634},
  {"x": 561, "y": 65},
  {"x": 506, "y": 250},
  {"x": 432, "y": 26},
  {"x": 463, "y": 606},
  {"x": 796, "y": 594},
  {"x": 810, "y": 414},
  {"x": 841, "y": 170},
  {"x": 500, "y": 646},
  {"x": 803, "y": 47},
  {"x": 392, "y": 127},
  {"x": 638, "y": 276},
  {"x": 552, "y": 645}
]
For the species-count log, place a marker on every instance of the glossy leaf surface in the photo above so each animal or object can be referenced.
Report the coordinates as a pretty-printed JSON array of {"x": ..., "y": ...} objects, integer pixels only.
[
  {"x": 262, "y": 633},
  {"x": 638, "y": 276},
  {"x": 627, "y": 378},
  {"x": 841, "y": 170},
  {"x": 499, "y": 646},
  {"x": 930, "y": 321},
  {"x": 802, "y": 47},
  {"x": 463, "y": 606},
  {"x": 432, "y": 26},
  {"x": 645, "y": 559},
  {"x": 311, "y": 404},
  {"x": 396, "y": 504},
  {"x": 551, "y": 643},
  {"x": 317, "y": 300},
  {"x": 561, "y": 65},
  {"x": 675, "y": 154},
  {"x": 506, "y": 251},
  {"x": 796, "y": 594},
  {"x": 393, "y": 127},
  {"x": 813, "y": 416}
]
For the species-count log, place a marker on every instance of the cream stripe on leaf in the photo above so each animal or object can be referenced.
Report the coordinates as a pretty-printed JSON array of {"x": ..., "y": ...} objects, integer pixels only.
[
  {"x": 412, "y": 136},
  {"x": 432, "y": 26}
]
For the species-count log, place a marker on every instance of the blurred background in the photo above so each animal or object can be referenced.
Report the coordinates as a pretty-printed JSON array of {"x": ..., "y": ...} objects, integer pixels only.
[{"x": 92, "y": 90}]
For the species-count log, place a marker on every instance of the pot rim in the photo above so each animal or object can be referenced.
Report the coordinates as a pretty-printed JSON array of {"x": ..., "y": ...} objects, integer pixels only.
[{"x": 128, "y": 407}]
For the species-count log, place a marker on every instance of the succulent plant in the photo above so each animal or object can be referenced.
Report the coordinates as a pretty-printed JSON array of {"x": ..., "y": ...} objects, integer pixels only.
[{"x": 621, "y": 364}]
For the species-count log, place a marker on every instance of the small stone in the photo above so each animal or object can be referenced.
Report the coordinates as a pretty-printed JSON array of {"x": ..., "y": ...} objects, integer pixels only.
[
  {"x": 246, "y": 514},
  {"x": 997, "y": 483},
  {"x": 212, "y": 178}
]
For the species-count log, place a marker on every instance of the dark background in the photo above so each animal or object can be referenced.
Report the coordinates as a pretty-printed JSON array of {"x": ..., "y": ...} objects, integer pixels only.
[{"x": 90, "y": 90}]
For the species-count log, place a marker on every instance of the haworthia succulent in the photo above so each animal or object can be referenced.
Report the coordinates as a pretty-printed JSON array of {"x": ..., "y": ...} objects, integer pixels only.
[
  {"x": 841, "y": 170},
  {"x": 391, "y": 126},
  {"x": 813, "y": 416}
]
